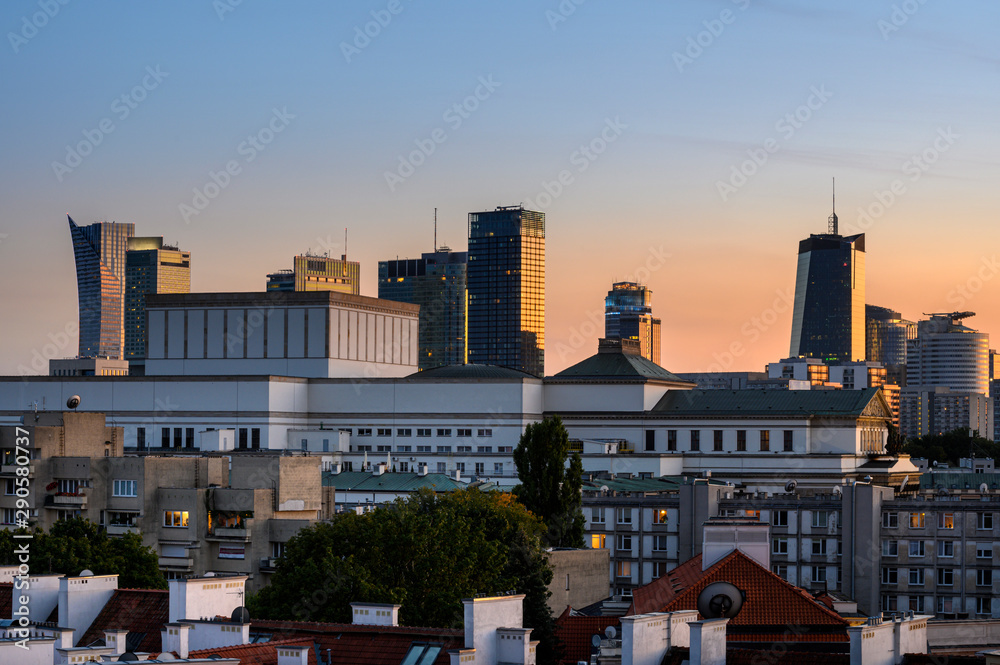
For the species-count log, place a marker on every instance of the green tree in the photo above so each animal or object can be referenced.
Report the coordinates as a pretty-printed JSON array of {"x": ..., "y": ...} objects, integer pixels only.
[
  {"x": 952, "y": 446},
  {"x": 74, "y": 545},
  {"x": 548, "y": 488},
  {"x": 425, "y": 553}
]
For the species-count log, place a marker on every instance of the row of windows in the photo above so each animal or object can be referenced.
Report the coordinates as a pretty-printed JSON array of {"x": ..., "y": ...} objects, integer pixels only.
[
  {"x": 945, "y": 604},
  {"x": 763, "y": 441},
  {"x": 819, "y": 547},
  {"x": 984, "y": 521},
  {"x": 441, "y": 432},
  {"x": 945, "y": 548},
  {"x": 178, "y": 437},
  {"x": 624, "y": 515},
  {"x": 945, "y": 576},
  {"x": 623, "y": 542}
]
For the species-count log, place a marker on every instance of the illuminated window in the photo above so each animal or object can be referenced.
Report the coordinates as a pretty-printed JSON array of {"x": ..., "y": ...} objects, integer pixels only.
[
  {"x": 175, "y": 518},
  {"x": 659, "y": 516},
  {"x": 597, "y": 541},
  {"x": 917, "y": 520}
]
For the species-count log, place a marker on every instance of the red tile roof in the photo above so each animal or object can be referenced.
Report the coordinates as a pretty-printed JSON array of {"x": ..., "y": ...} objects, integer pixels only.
[
  {"x": 142, "y": 612},
  {"x": 6, "y": 598},
  {"x": 659, "y": 592},
  {"x": 575, "y": 633},
  {"x": 784, "y": 657},
  {"x": 351, "y": 644},
  {"x": 263, "y": 653}
]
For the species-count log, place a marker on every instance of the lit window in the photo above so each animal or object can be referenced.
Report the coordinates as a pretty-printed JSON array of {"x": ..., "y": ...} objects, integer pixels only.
[{"x": 175, "y": 518}]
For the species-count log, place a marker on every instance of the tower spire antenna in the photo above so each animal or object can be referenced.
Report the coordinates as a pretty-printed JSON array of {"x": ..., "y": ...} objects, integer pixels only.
[
  {"x": 832, "y": 221},
  {"x": 435, "y": 229}
]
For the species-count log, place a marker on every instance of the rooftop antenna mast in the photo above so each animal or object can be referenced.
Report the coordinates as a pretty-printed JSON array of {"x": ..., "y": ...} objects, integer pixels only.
[
  {"x": 832, "y": 221},
  {"x": 345, "y": 243},
  {"x": 435, "y": 229}
]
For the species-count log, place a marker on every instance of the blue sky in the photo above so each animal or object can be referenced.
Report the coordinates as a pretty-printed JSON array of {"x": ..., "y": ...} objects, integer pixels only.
[{"x": 676, "y": 95}]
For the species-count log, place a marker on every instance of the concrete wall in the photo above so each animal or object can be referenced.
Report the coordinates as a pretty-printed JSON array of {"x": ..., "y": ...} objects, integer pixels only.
[{"x": 579, "y": 578}]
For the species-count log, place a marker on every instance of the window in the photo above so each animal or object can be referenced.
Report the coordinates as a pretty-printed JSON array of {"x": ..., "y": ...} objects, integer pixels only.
[
  {"x": 383, "y": 449},
  {"x": 505, "y": 449},
  {"x": 890, "y": 520},
  {"x": 888, "y": 603},
  {"x": 189, "y": 437},
  {"x": 480, "y": 468},
  {"x": 819, "y": 547},
  {"x": 175, "y": 518},
  {"x": 659, "y": 543},
  {"x": 659, "y": 516},
  {"x": 383, "y": 431},
  {"x": 717, "y": 440},
  {"x": 659, "y": 569},
  {"x": 984, "y": 550},
  {"x": 444, "y": 449},
  {"x": 441, "y": 468},
  {"x": 820, "y": 519},
  {"x": 819, "y": 574},
  {"x": 946, "y": 604},
  {"x": 464, "y": 449},
  {"x": 983, "y": 606},
  {"x": 788, "y": 441},
  {"x": 984, "y": 520},
  {"x": 695, "y": 439},
  {"x": 165, "y": 437},
  {"x": 650, "y": 440},
  {"x": 623, "y": 542},
  {"x": 404, "y": 449},
  {"x": 917, "y": 520},
  {"x": 484, "y": 432},
  {"x": 444, "y": 432},
  {"x": 423, "y": 449},
  {"x": 781, "y": 570},
  {"x": 121, "y": 518},
  {"x": 361, "y": 449},
  {"x": 741, "y": 440},
  {"x": 65, "y": 486},
  {"x": 463, "y": 432},
  {"x": 9, "y": 515},
  {"x": 946, "y": 548},
  {"x": 779, "y": 545},
  {"x": 140, "y": 438},
  {"x": 916, "y": 548},
  {"x": 984, "y": 577},
  {"x": 946, "y": 520},
  {"x": 124, "y": 488},
  {"x": 597, "y": 541},
  {"x": 624, "y": 515},
  {"x": 460, "y": 467},
  {"x": 364, "y": 431},
  {"x": 483, "y": 449},
  {"x": 423, "y": 432},
  {"x": 623, "y": 569},
  {"x": 255, "y": 438},
  {"x": 890, "y": 575},
  {"x": 404, "y": 467},
  {"x": 779, "y": 517},
  {"x": 498, "y": 468},
  {"x": 765, "y": 440},
  {"x": 945, "y": 576},
  {"x": 890, "y": 548},
  {"x": 404, "y": 432},
  {"x": 671, "y": 439},
  {"x": 179, "y": 436},
  {"x": 277, "y": 549},
  {"x": 916, "y": 576},
  {"x": 597, "y": 515},
  {"x": 917, "y": 603}
]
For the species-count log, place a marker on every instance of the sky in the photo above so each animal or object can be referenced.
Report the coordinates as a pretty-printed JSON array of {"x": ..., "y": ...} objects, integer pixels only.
[{"x": 688, "y": 144}]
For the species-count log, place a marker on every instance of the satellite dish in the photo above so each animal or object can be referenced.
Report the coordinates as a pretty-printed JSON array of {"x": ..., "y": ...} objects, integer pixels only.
[
  {"x": 942, "y": 491},
  {"x": 984, "y": 488},
  {"x": 720, "y": 600},
  {"x": 605, "y": 488},
  {"x": 790, "y": 486},
  {"x": 128, "y": 657},
  {"x": 595, "y": 641},
  {"x": 241, "y": 615},
  {"x": 868, "y": 479},
  {"x": 610, "y": 632},
  {"x": 73, "y": 402},
  {"x": 210, "y": 574},
  {"x": 86, "y": 572}
]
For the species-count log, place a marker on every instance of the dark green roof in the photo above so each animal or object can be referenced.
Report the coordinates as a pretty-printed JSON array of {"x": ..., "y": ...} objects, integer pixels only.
[
  {"x": 959, "y": 480},
  {"x": 389, "y": 482},
  {"x": 765, "y": 402},
  {"x": 619, "y": 366},
  {"x": 661, "y": 484},
  {"x": 472, "y": 371}
]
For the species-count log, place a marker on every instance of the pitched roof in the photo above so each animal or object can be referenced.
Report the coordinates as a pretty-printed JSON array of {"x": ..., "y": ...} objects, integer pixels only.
[
  {"x": 657, "y": 594},
  {"x": 389, "y": 482},
  {"x": 142, "y": 612},
  {"x": 261, "y": 653},
  {"x": 626, "y": 366},
  {"x": 351, "y": 644},
  {"x": 830, "y": 403},
  {"x": 660, "y": 484},
  {"x": 6, "y": 597},
  {"x": 470, "y": 371}
]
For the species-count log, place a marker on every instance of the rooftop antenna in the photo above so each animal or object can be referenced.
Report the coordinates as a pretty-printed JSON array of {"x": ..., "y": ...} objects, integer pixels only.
[
  {"x": 832, "y": 221},
  {"x": 435, "y": 229},
  {"x": 345, "y": 243}
]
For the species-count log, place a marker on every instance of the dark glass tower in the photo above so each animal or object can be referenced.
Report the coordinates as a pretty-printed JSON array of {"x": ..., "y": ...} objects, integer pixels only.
[
  {"x": 150, "y": 267},
  {"x": 628, "y": 314},
  {"x": 507, "y": 289},
  {"x": 437, "y": 282},
  {"x": 828, "y": 319},
  {"x": 99, "y": 250}
]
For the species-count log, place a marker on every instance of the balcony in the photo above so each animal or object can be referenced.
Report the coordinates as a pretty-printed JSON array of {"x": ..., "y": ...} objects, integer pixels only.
[
  {"x": 229, "y": 533},
  {"x": 120, "y": 529},
  {"x": 268, "y": 565},
  {"x": 11, "y": 469},
  {"x": 66, "y": 500},
  {"x": 176, "y": 562}
]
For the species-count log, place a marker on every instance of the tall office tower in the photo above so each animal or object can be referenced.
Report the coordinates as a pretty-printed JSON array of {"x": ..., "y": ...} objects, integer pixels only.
[
  {"x": 507, "y": 289},
  {"x": 828, "y": 317},
  {"x": 886, "y": 335},
  {"x": 150, "y": 267},
  {"x": 628, "y": 313},
  {"x": 99, "y": 250},
  {"x": 318, "y": 273},
  {"x": 437, "y": 282}
]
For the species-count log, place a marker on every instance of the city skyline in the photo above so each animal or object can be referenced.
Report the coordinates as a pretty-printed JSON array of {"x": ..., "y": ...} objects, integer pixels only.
[{"x": 705, "y": 169}]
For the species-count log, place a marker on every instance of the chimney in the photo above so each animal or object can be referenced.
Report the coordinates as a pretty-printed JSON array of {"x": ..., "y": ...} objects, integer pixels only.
[
  {"x": 43, "y": 599},
  {"x": 708, "y": 642},
  {"x": 484, "y": 616},
  {"x": 458, "y": 475},
  {"x": 174, "y": 637},
  {"x": 646, "y": 638},
  {"x": 116, "y": 639},
  {"x": 196, "y": 597},
  {"x": 64, "y": 638},
  {"x": 82, "y": 598},
  {"x": 293, "y": 655},
  {"x": 378, "y": 469},
  {"x": 375, "y": 614}
]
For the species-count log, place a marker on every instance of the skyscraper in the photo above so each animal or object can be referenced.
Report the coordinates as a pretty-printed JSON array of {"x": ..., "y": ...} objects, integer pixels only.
[
  {"x": 99, "y": 250},
  {"x": 318, "y": 273},
  {"x": 886, "y": 335},
  {"x": 628, "y": 313},
  {"x": 437, "y": 282},
  {"x": 828, "y": 317},
  {"x": 507, "y": 289},
  {"x": 150, "y": 267}
]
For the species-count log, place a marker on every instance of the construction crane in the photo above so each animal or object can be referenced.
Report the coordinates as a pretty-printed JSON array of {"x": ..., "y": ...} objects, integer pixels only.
[{"x": 954, "y": 316}]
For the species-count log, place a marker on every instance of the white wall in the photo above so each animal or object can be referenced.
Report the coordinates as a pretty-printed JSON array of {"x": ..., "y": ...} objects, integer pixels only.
[
  {"x": 200, "y": 597},
  {"x": 81, "y": 599}
]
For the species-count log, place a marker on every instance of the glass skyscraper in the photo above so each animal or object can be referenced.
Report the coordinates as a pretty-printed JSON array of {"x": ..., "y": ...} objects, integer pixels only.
[
  {"x": 507, "y": 289},
  {"x": 437, "y": 282},
  {"x": 150, "y": 267},
  {"x": 99, "y": 250},
  {"x": 318, "y": 273},
  {"x": 628, "y": 313},
  {"x": 828, "y": 318}
]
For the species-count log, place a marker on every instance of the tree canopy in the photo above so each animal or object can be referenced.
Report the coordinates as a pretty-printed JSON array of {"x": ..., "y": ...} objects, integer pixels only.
[
  {"x": 548, "y": 488},
  {"x": 74, "y": 545},
  {"x": 425, "y": 553},
  {"x": 952, "y": 446}
]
